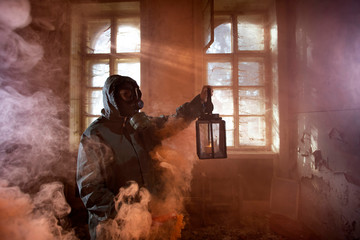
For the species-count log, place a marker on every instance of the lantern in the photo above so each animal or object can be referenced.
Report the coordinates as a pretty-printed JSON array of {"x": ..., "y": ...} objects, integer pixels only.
[{"x": 210, "y": 133}]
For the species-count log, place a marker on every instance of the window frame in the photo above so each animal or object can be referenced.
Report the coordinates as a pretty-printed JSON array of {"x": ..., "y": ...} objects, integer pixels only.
[
  {"x": 233, "y": 57},
  {"x": 79, "y": 56},
  {"x": 113, "y": 57}
]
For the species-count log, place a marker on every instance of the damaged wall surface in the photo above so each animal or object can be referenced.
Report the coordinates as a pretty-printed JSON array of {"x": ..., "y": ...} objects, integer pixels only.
[
  {"x": 328, "y": 113},
  {"x": 322, "y": 151}
]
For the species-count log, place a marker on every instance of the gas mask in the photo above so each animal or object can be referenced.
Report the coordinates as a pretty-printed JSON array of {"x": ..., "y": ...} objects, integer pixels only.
[
  {"x": 129, "y": 99},
  {"x": 129, "y": 104}
]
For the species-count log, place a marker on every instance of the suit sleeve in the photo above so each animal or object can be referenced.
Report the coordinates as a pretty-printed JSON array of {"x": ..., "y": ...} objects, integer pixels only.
[
  {"x": 189, "y": 111},
  {"x": 92, "y": 158},
  {"x": 170, "y": 125}
]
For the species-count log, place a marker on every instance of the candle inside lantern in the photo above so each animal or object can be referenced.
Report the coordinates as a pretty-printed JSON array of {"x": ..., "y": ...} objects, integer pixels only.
[{"x": 208, "y": 149}]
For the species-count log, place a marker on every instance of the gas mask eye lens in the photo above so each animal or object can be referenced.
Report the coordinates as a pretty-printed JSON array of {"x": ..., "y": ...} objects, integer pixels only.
[{"x": 126, "y": 95}]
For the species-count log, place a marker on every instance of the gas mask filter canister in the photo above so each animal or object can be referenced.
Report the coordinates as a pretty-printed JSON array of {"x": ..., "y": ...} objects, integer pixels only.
[{"x": 139, "y": 103}]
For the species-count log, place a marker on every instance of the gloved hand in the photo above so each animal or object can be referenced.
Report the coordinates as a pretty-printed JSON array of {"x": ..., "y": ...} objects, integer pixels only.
[{"x": 204, "y": 93}]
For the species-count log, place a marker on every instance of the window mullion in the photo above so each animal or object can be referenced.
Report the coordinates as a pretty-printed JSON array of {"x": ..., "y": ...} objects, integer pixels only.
[
  {"x": 113, "y": 34},
  {"x": 83, "y": 92},
  {"x": 235, "y": 83},
  {"x": 268, "y": 84}
]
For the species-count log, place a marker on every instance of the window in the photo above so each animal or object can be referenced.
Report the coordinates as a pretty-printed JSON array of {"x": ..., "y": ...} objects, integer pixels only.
[
  {"x": 236, "y": 64},
  {"x": 106, "y": 55},
  {"x": 105, "y": 41}
]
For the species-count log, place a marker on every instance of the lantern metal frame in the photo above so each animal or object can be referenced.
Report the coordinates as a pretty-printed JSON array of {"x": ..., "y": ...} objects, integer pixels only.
[{"x": 211, "y": 120}]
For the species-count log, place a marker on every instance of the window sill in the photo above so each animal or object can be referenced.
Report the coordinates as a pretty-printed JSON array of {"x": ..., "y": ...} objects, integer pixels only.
[{"x": 236, "y": 154}]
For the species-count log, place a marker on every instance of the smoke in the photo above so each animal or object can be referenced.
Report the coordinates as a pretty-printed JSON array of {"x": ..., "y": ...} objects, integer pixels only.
[
  {"x": 16, "y": 53},
  {"x": 33, "y": 142},
  {"x": 34, "y": 134},
  {"x": 15, "y": 13},
  {"x": 177, "y": 157},
  {"x": 133, "y": 219},
  {"x": 33, "y": 217},
  {"x": 144, "y": 216},
  {"x": 177, "y": 175}
]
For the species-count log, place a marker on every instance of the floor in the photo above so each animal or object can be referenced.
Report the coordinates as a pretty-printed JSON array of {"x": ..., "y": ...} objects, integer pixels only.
[
  {"x": 264, "y": 227},
  {"x": 228, "y": 233}
]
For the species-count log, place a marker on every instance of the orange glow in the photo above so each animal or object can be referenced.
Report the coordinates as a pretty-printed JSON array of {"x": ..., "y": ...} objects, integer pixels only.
[
  {"x": 176, "y": 233},
  {"x": 208, "y": 149}
]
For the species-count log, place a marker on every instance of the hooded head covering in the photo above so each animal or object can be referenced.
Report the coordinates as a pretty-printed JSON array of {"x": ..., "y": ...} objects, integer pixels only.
[{"x": 111, "y": 96}]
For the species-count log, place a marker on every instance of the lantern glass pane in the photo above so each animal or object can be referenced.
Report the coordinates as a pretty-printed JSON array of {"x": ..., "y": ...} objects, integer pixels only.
[
  {"x": 216, "y": 137},
  {"x": 219, "y": 141},
  {"x": 205, "y": 141}
]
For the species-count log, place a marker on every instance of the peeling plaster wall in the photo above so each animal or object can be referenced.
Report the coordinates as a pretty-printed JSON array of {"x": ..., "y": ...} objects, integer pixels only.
[{"x": 328, "y": 113}]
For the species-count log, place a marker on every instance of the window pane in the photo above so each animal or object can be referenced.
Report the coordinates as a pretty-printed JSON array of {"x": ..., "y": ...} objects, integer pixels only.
[
  {"x": 128, "y": 36},
  {"x": 229, "y": 125},
  {"x": 94, "y": 102},
  {"x": 251, "y": 101},
  {"x": 219, "y": 73},
  {"x": 222, "y": 36},
  {"x": 207, "y": 21},
  {"x": 130, "y": 69},
  {"x": 98, "y": 38},
  {"x": 250, "y": 32},
  {"x": 98, "y": 72},
  {"x": 251, "y": 73},
  {"x": 252, "y": 131},
  {"x": 223, "y": 101}
]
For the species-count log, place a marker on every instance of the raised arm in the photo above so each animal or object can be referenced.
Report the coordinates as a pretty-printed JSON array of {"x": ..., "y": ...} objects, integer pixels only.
[{"x": 185, "y": 114}]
